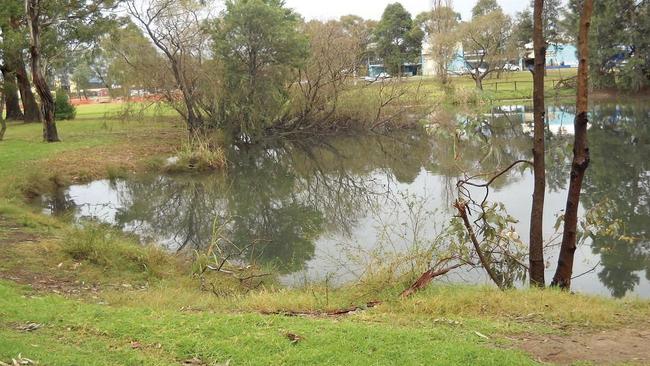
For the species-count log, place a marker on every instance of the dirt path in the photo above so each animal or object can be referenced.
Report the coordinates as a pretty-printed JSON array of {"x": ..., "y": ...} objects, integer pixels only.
[{"x": 615, "y": 346}]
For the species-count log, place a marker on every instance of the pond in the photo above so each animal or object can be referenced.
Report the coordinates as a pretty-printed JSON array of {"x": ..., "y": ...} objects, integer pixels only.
[{"x": 313, "y": 209}]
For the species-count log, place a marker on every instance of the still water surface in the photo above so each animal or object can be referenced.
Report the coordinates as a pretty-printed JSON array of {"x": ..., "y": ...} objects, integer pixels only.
[{"x": 308, "y": 209}]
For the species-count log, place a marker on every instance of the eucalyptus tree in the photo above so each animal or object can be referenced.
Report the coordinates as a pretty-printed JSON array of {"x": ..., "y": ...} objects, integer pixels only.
[
  {"x": 485, "y": 7},
  {"x": 56, "y": 27},
  {"x": 14, "y": 44},
  {"x": 398, "y": 37},
  {"x": 581, "y": 157},
  {"x": 536, "y": 244}
]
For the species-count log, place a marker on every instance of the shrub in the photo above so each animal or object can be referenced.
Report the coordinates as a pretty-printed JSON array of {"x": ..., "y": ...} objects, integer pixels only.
[{"x": 62, "y": 106}]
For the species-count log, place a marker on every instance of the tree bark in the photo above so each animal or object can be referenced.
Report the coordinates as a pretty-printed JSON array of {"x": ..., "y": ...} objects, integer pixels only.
[
  {"x": 479, "y": 82},
  {"x": 580, "y": 162},
  {"x": 11, "y": 93},
  {"x": 33, "y": 9},
  {"x": 536, "y": 244},
  {"x": 14, "y": 57},
  {"x": 31, "y": 111},
  {"x": 3, "y": 123}
]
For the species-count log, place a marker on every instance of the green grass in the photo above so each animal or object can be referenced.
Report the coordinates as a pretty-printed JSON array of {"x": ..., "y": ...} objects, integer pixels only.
[
  {"x": 82, "y": 333},
  {"x": 509, "y": 86},
  {"x": 100, "y": 138}
]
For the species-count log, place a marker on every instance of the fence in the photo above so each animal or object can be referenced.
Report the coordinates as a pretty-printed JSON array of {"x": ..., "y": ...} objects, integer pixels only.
[{"x": 495, "y": 85}]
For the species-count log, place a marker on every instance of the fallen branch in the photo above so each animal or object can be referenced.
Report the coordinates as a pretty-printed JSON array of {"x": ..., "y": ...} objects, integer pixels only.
[
  {"x": 462, "y": 211},
  {"x": 425, "y": 279},
  {"x": 337, "y": 312}
]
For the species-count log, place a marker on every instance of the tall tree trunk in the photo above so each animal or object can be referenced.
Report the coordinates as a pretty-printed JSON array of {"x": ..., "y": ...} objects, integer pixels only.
[
  {"x": 536, "y": 245},
  {"x": 14, "y": 57},
  {"x": 580, "y": 162},
  {"x": 31, "y": 110},
  {"x": 11, "y": 93},
  {"x": 3, "y": 123},
  {"x": 33, "y": 10}
]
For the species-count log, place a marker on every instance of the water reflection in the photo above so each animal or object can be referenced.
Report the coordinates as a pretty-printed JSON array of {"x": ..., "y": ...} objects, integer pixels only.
[{"x": 294, "y": 205}]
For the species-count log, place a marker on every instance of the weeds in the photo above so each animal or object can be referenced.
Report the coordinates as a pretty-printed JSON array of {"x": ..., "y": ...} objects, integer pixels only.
[
  {"x": 201, "y": 153},
  {"x": 110, "y": 249}
]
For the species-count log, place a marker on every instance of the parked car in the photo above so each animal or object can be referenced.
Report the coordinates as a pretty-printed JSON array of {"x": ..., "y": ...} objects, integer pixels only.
[
  {"x": 511, "y": 67},
  {"x": 381, "y": 76}
]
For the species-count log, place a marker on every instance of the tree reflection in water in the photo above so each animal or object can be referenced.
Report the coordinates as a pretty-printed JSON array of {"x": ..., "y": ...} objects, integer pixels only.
[
  {"x": 276, "y": 201},
  {"x": 279, "y": 200}
]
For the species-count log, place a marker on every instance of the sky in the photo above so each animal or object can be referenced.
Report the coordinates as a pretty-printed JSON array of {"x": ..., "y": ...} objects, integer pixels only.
[{"x": 372, "y": 9}]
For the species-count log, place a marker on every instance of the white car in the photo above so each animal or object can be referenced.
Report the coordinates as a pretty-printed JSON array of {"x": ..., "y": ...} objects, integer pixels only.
[
  {"x": 511, "y": 67},
  {"x": 381, "y": 76}
]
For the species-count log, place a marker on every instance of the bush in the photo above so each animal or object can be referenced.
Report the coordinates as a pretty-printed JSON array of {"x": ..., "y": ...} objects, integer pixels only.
[{"x": 62, "y": 107}]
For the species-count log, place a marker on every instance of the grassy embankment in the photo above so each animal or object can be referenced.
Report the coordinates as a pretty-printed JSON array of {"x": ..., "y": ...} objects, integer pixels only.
[
  {"x": 102, "y": 299},
  {"x": 510, "y": 86}
]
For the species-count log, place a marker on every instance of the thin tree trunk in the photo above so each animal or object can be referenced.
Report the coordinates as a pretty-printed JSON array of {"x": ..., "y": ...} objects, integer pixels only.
[
  {"x": 580, "y": 162},
  {"x": 11, "y": 93},
  {"x": 536, "y": 245},
  {"x": 31, "y": 111},
  {"x": 33, "y": 9},
  {"x": 479, "y": 82},
  {"x": 3, "y": 123}
]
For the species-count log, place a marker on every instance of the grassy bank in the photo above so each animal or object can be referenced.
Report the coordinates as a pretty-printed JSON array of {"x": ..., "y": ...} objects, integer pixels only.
[
  {"x": 103, "y": 139},
  {"x": 93, "y": 295},
  {"x": 509, "y": 86}
]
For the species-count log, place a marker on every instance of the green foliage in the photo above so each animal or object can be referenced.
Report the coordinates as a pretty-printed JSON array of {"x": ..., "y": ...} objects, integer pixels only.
[
  {"x": 63, "y": 108},
  {"x": 484, "y": 7},
  {"x": 618, "y": 42},
  {"x": 260, "y": 47},
  {"x": 399, "y": 39}
]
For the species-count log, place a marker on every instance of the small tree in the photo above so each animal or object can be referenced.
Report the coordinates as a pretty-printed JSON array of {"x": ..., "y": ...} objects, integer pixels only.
[
  {"x": 442, "y": 39},
  {"x": 176, "y": 29},
  {"x": 62, "y": 106},
  {"x": 487, "y": 46}
]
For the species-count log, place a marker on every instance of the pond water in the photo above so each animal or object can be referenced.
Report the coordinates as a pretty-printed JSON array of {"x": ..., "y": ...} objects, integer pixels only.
[{"x": 313, "y": 209}]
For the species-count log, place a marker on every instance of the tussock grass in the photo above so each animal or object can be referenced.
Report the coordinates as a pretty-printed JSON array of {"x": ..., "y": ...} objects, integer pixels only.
[
  {"x": 548, "y": 306},
  {"x": 200, "y": 153},
  {"x": 112, "y": 250}
]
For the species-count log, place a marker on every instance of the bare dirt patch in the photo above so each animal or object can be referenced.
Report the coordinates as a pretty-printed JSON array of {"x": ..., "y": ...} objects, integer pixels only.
[
  {"x": 12, "y": 233},
  {"x": 13, "y": 236},
  {"x": 607, "y": 347},
  {"x": 92, "y": 163}
]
